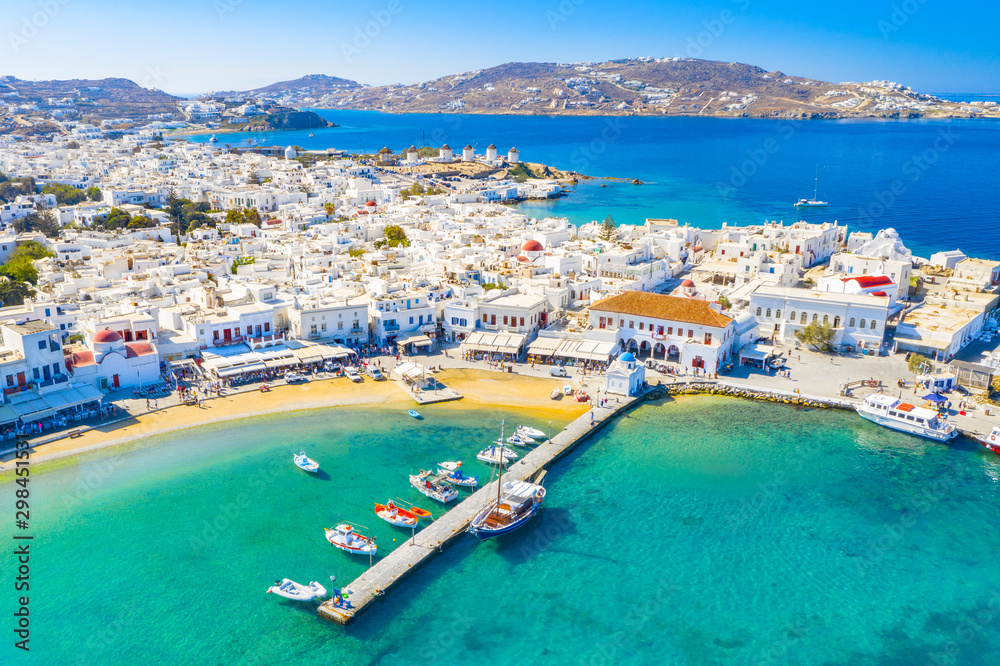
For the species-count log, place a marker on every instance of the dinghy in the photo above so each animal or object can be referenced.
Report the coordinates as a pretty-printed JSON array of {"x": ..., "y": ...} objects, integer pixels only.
[
  {"x": 414, "y": 413},
  {"x": 303, "y": 462},
  {"x": 289, "y": 589},
  {"x": 520, "y": 440}
]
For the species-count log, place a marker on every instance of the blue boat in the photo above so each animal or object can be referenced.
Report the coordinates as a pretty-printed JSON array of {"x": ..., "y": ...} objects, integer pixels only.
[{"x": 414, "y": 413}]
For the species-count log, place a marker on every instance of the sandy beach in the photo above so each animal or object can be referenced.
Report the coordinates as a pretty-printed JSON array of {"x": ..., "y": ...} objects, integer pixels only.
[{"x": 479, "y": 388}]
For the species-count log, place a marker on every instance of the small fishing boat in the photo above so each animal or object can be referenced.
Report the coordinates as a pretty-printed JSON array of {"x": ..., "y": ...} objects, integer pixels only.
[
  {"x": 556, "y": 394},
  {"x": 212, "y": 139},
  {"x": 454, "y": 475},
  {"x": 567, "y": 390},
  {"x": 516, "y": 503},
  {"x": 414, "y": 413},
  {"x": 344, "y": 537},
  {"x": 581, "y": 396},
  {"x": 303, "y": 462},
  {"x": 991, "y": 441},
  {"x": 395, "y": 515},
  {"x": 496, "y": 455},
  {"x": 289, "y": 589},
  {"x": 530, "y": 432},
  {"x": 434, "y": 486}
]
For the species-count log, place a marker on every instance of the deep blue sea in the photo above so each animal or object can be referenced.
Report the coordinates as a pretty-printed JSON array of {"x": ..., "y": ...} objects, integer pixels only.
[{"x": 935, "y": 181}]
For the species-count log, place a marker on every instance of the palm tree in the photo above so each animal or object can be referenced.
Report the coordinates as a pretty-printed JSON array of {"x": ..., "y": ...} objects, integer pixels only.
[{"x": 328, "y": 207}]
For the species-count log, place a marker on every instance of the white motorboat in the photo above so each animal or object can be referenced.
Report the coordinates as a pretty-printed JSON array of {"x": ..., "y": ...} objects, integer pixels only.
[
  {"x": 496, "y": 455},
  {"x": 344, "y": 537},
  {"x": 567, "y": 390},
  {"x": 303, "y": 462},
  {"x": 534, "y": 433},
  {"x": 454, "y": 475},
  {"x": 891, "y": 412},
  {"x": 289, "y": 589},
  {"x": 434, "y": 486},
  {"x": 520, "y": 440}
]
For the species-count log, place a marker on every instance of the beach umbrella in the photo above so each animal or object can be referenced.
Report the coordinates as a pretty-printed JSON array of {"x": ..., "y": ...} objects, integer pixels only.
[{"x": 935, "y": 398}]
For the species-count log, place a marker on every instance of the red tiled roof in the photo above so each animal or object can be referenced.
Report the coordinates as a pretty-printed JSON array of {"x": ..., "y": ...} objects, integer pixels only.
[
  {"x": 81, "y": 359},
  {"x": 141, "y": 348},
  {"x": 866, "y": 281},
  {"x": 659, "y": 306}
]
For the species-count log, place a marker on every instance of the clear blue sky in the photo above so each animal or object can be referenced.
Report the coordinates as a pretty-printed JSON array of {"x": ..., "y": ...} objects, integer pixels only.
[{"x": 192, "y": 46}]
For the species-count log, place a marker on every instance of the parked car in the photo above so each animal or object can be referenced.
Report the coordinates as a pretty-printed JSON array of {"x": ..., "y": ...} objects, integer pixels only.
[
  {"x": 559, "y": 371},
  {"x": 375, "y": 373},
  {"x": 352, "y": 372},
  {"x": 333, "y": 367}
]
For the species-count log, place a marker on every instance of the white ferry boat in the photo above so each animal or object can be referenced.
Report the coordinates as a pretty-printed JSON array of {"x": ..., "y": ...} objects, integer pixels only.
[{"x": 891, "y": 412}]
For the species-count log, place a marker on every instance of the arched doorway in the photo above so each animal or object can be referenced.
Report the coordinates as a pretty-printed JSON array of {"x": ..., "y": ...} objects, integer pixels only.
[
  {"x": 674, "y": 354},
  {"x": 659, "y": 351},
  {"x": 633, "y": 347},
  {"x": 644, "y": 349}
]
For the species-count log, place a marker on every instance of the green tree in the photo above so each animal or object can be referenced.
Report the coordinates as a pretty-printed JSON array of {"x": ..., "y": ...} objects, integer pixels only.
[
  {"x": 253, "y": 178},
  {"x": 20, "y": 269},
  {"x": 394, "y": 236},
  {"x": 608, "y": 230},
  {"x": 66, "y": 195},
  {"x": 175, "y": 209},
  {"x": 241, "y": 261},
  {"x": 917, "y": 363},
  {"x": 329, "y": 209},
  {"x": 356, "y": 252},
  {"x": 235, "y": 216},
  {"x": 725, "y": 303},
  {"x": 43, "y": 221},
  {"x": 94, "y": 193},
  {"x": 252, "y": 216},
  {"x": 13, "y": 292},
  {"x": 31, "y": 249},
  {"x": 817, "y": 335}
]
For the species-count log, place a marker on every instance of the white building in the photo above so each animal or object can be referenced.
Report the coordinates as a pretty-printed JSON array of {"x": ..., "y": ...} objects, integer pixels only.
[
  {"x": 858, "y": 320},
  {"x": 689, "y": 331},
  {"x": 625, "y": 376}
]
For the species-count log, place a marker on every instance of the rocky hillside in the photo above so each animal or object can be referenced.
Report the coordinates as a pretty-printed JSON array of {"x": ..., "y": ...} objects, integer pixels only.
[
  {"x": 643, "y": 86},
  {"x": 97, "y": 98}
]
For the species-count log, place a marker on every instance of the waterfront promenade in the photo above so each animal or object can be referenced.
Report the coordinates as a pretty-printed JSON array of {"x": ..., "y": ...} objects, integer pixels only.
[{"x": 432, "y": 539}]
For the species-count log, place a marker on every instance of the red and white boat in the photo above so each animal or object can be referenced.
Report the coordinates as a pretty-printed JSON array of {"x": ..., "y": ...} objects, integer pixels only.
[
  {"x": 396, "y": 515},
  {"x": 343, "y": 537},
  {"x": 991, "y": 441}
]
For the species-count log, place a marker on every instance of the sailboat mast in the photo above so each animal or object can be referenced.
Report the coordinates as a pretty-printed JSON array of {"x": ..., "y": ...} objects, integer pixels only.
[
  {"x": 816, "y": 184},
  {"x": 502, "y": 460}
]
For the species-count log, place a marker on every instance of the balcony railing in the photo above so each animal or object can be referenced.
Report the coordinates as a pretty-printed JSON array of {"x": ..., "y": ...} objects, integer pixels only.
[{"x": 392, "y": 327}]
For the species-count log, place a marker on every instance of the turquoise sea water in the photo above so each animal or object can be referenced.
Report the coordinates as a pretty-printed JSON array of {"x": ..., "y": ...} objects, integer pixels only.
[
  {"x": 935, "y": 181},
  {"x": 706, "y": 531}
]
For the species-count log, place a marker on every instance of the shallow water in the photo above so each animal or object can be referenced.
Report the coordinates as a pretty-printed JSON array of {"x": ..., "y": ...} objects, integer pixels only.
[{"x": 703, "y": 531}]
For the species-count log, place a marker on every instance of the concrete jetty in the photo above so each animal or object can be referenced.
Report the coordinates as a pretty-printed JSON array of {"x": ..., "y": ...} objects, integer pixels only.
[{"x": 374, "y": 582}]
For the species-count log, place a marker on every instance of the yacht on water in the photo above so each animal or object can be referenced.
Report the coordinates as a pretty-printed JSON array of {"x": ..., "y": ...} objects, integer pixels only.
[
  {"x": 814, "y": 202},
  {"x": 891, "y": 412}
]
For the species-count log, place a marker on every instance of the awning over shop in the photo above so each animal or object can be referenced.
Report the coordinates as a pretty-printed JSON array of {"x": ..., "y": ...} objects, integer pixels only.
[
  {"x": 281, "y": 363},
  {"x": 415, "y": 338},
  {"x": 751, "y": 353},
  {"x": 32, "y": 406},
  {"x": 503, "y": 343},
  {"x": 544, "y": 346},
  {"x": 409, "y": 370}
]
